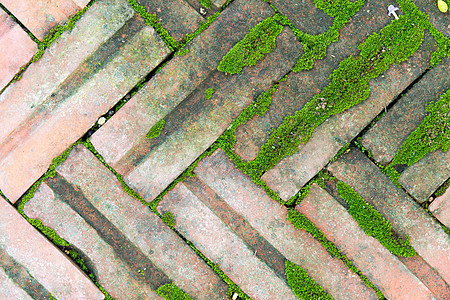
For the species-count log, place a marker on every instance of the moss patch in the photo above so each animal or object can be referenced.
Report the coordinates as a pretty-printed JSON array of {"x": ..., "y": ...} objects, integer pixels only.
[
  {"x": 169, "y": 219},
  {"x": 206, "y": 3},
  {"x": 302, "y": 285},
  {"x": 260, "y": 41},
  {"x": 209, "y": 92},
  {"x": 156, "y": 130},
  {"x": 373, "y": 223},
  {"x": 172, "y": 292}
]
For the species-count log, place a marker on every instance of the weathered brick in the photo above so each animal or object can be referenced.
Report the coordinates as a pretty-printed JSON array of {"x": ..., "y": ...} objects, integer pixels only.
[
  {"x": 40, "y": 16},
  {"x": 405, "y": 215},
  {"x": 425, "y": 176},
  {"x": 380, "y": 266},
  {"x": 196, "y": 122},
  {"x": 179, "y": 78},
  {"x": 143, "y": 250},
  {"x": 439, "y": 20},
  {"x": 299, "y": 87},
  {"x": 24, "y": 248},
  {"x": 47, "y": 120},
  {"x": 270, "y": 220},
  {"x": 440, "y": 208},
  {"x": 9, "y": 290},
  {"x": 215, "y": 240},
  {"x": 304, "y": 15},
  {"x": 16, "y": 48},
  {"x": 388, "y": 134},
  {"x": 171, "y": 13},
  {"x": 294, "y": 171}
]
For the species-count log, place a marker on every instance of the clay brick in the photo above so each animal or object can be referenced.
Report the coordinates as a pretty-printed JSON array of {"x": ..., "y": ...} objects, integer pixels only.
[
  {"x": 439, "y": 20},
  {"x": 304, "y": 15},
  {"x": 215, "y": 240},
  {"x": 270, "y": 220},
  {"x": 388, "y": 134},
  {"x": 380, "y": 266},
  {"x": 440, "y": 208},
  {"x": 405, "y": 215},
  {"x": 179, "y": 78},
  {"x": 60, "y": 115},
  {"x": 40, "y": 16},
  {"x": 16, "y": 48},
  {"x": 144, "y": 250},
  {"x": 9, "y": 290},
  {"x": 171, "y": 13},
  {"x": 21, "y": 243},
  {"x": 425, "y": 176},
  {"x": 299, "y": 87},
  {"x": 294, "y": 171}
]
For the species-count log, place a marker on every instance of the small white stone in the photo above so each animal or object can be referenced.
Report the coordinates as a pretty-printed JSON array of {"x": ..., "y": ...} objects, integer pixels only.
[
  {"x": 235, "y": 295},
  {"x": 101, "y": 121},
  {"x": 202, "y": 11}
]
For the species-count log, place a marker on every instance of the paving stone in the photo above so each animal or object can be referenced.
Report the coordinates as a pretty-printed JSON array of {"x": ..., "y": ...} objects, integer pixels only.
[
  {"x": 299, "y": 87},
  {"x": 269, "y": 218},
  {"x": 16, "y": 48},
  {"x": 42, "y": 263},
  {"x": 46, "y": 121},
  {"x": 304, "y": 15},
  {"x": 294, "y": 171},
  {"x": 424, "y": 177},
  {"x": 179, "y": 78},
  {"x": 40, "y": 16},
  {"x": 439, "y": 20},
  {"x": 9, "y": 290},
  {"x": 380, "y": 266},
  {"x": 405, "y": 215},
  {"x": 144, "y": 252},
  {"x": 440, "y": 208},
  {"x": 388, "y": 134},
  {"x": 171, "y": 13}
]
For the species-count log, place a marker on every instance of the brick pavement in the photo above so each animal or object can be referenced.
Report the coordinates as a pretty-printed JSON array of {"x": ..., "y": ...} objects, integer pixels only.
[{"x": 155, "y": 217}]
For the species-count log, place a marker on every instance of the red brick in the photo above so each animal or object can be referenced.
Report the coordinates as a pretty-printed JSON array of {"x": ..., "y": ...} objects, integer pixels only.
[
  {"x": 40, "y": 16},
  {"x": 425, "y": 176},
  {"x": 299, "y": 87},
  {"x": 405, "y": 215},
  {"x": 118, "y": 228},
  {"x": 16, "y": 48},
  {"x": 9, "y": 289},
  {"x": 440, "y": 208},
  {"x": 380, "y": 266},
  {"x": 171, "y": 13},
  {"x": 45, "y": 263},
  {"x": 294, "y": 171},
  {"x": 388, "y": 134},
  {"x": 215, "y": 240},
  {"x": 269, "y": 218},
  {"x": 34, "y": 136}
]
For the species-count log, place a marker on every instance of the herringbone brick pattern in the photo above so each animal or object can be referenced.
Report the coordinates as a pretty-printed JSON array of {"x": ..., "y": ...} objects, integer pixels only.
[{"x": 239, "y": 149}]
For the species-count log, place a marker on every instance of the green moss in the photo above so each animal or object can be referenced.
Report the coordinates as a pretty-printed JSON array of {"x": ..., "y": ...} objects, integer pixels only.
[
  {"x": 373, "y": 223},
  {"x": 442, "y": 189},
  {"x": 172, "y": 292},
  {"x": 260, "y": 41},
  {"x": 208, "y": 93},
  {"x": 156, "y": 130},
  {"x": 206, "y": 3},
  {"x": 302, "y": 285},
  {"x": 169, "y": 219}
]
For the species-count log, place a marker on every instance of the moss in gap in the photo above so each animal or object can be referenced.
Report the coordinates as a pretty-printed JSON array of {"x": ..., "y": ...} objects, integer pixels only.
[
  {"x": 373, "y": 223},
  {"x": 172, "y": 292},
  {"x": 301, "y": 222},
  {"x": 260, "y": 41},
  {"x": 156, "y": 130},
  {"x": 209, "y": 92},
  {"x": 349, "y": 86},
  {"x": 206, "y": 3},
  {"x": 183, "y": 52},
  {"x": 302, "y": 285},
  {"x": 169, "y": 219},
  {"x": 442, "y": 189}
]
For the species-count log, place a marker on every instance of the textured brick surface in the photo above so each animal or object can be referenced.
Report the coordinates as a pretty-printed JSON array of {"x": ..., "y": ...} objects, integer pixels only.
[
  {"x": 171, "y": 12},
  {"x": 299, "y": 87},
  {"x": 53, "y": 120},
  {"x": 270, "y": 220},
  {"x": 144, "y": 252},
  {"x": 440, "y": 208},
  {"x": 304, "y": 15},
  {"x": 439, "y": 20},
  {"x": 23, "y": 248},
  {"x": 291, "y": 173},
  {"x": 40, "y": 16},
  {"x": 381, "y": 267},
  {"x": 405, "y": 215},
  {"x": 16, "y": 48},
  {"x": 388, "y": 134}
]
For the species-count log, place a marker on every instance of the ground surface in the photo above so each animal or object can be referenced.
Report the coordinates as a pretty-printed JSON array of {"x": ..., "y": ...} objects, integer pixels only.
[{"x": 224, "y": 149}]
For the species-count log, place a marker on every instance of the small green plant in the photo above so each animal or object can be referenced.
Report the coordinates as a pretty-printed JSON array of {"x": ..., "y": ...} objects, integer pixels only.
[
  {"x": 156, "y": 130},
  {"x": 206, "y": 3},
  {"x": 209, "y": 92}
]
